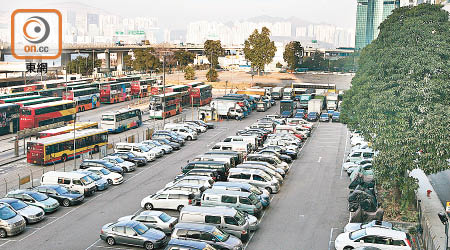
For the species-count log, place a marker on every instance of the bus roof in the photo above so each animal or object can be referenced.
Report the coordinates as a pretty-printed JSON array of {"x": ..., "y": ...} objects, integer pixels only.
[
  {"x": 8, "y": 105},
  {"x": 42, "y": 105},
  {"x": 69, "y": 136},
  {"x": 76, "y": 90},
  {"x": 78, "y": 125},
  {"x": 119, "y": 111},
  {"x": 40, "y": 100},
  {"x": 21, "y": 98},
  {"x": 204, "y": 86}
]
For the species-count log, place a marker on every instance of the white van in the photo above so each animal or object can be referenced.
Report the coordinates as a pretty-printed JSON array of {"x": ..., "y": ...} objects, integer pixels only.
[
  {"x": 242, "y": 147},
  {"x": 252, "y": 139},
  {"x": 136, "y": 148},
  {"x": 73, "y": 181}
]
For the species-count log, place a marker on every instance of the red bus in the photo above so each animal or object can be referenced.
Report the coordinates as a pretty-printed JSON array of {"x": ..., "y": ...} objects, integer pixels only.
[
  {"x": 195, "y": 84},
  {"x": 142, "y": 88},
  {"x": 115, "y": 92},
  {"x": 56, "y": 92},
  {"x": 23, "y": 88},
  {"x": 172, "y": 105},
  {"x": 66, "y": 129},
  {"x": 85, "y": 99},
  {"x": 201, "y": 95},
  {"x": 47, "y": 113},
  {"x": 183, "y": 90}
]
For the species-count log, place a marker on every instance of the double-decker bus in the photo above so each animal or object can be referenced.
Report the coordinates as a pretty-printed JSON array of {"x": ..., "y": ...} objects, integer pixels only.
[
  {"x": 60, "y": 148},
  {"x": 195, "y": 84},
  {"x": 23, "y": 88},
  {"x": 47, "y": 113},
  {"x": 51, "y": 84},
  {"x": 8, "y": 96},
  {"x": 9, "y": 118},
  {"x": 128, "y": 78},
  {"x": 121, "y": 120},
  {"x": 20, "y": 99},
  {"x": 85, "y": 99},
  {"x": 115, "y": 92},
  {"x": 66, "y": 129},
  {"x": 39, "y": 101},
  {"x": 142, "y": 88},
  {"x": 201, "y": 95},
  {"x": 184, "y": 91},
  {"x": 172, "y": 104},
  {"x": 52, "y": 92}
]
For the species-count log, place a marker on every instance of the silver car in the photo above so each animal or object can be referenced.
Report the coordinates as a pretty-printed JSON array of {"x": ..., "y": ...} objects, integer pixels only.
[
  {"x": 11, "y": 223},
  {"x": 31, "y": 214},
  {"x": 154, "y": 219},
  {"x": 119, "y": 162}
]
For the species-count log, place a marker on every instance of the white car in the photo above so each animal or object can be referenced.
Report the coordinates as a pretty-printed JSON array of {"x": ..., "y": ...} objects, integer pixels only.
[
  {"x": 186, "y": 132},
  {"x": 347, "y": 165},
  {"x": 382, "y": 238},
  {"x": 197, "y": 127},
  {"x": 193, "y": 179},
  {"x": 170, "y": 199},
  {"x": 121, "y": 163},
  {"x": 165, "y": 148},
  {"x": 350, "y": 227},
  {"x": 111, "y": 177}
]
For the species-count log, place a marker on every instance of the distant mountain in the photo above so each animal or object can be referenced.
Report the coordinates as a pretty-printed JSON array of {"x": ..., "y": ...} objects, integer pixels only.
[{"x": 265, "y": 18}]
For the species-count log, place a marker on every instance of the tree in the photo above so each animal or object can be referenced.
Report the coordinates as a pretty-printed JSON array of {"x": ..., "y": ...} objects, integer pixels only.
[
  {"x": 189, "y": 73},
  {"x": 258, "y": 49},
  {"x": 145, "y": 60},
  {"x": 279, "y": 65},
  {"x": 83, "y": 65},
  {"x": 127, "y": 62},
  {"x": 184, "y": 57},
  {"x": 399, "y": 98},
  {"x": 213, "y": 49},
  {"x": 315, "y": 62},
  {"x": 212, "y": 75},
  {"x": 293, "y": 54}
]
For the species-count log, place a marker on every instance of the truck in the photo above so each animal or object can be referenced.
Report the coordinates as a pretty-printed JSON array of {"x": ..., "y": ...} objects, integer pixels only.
[
  {"x": 304, "y": 99},
  {"x": 332, "y": 101},
  {"x": 287, "y": 94},
  {"x": 228, "y": 108},
  {"x": 287, "y": 108},
  {"x": 315, "y": 105},
  {"x": 277, "y": 93},
  {"x": 260, "y": 92}
]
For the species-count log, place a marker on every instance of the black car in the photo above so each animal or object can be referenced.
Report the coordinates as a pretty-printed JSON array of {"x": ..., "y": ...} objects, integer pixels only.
[
  {"x": 169, "y": 137},
  {"x": 61, "y": 194},
  {"x": 174, "y": 145},
  {"x": 282, "y": 157},
  {"x": 202, "y": 123},
  {"x": 101, "y": 163},
  {"x": 282, "y": 151},
  {"x": 129, "y": 156}
]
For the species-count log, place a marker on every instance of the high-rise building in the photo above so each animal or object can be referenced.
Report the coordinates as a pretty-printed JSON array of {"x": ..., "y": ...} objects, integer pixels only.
[{"x": 369, "y": 15}]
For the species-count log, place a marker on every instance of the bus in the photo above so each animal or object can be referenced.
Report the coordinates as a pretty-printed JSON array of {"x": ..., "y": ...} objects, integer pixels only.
[
  {"x": 23, "y": 88},
  {"x": 115, "y": 92},
  {"x": 8, "y": 96},
  {"x": 60, "y": 148},
  {"x": 66, "y": 129},
  {"x": 201, "y": 95},
  {"x": 9, "y": 118},
  {"x": 184, "y": 91},
  {"x": 128, "y": 78},
  {"x": 172, "y": 105},
  {"x": 47, "y": 113},
  {"x": 52, "y": 92},
  {"x": 85, "y": 99},
  {"x": 298, "y": 92},
  {"x": 287, "y": 94},
  {"x": 121, "y": 120},
  {"x": 194, "y": 84},
  {"x": 20, "y": 99},
  {"x": 39, "y": 101},
  {"x": 314, "y": 88},
  {"x": 142, "y": 88}
]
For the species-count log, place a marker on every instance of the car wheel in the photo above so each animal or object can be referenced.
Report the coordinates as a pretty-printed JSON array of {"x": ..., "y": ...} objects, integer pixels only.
[
  {"x": 110, "y": 182},
  {"x": 348, "y": 248},
  {"x": 64, "y": 157},
  {"x": 124, "y": 169},
  {"x": 148, "y": 245},
  {"x": 269, "y": 190},
  {"x": 3, "y": 233},
  {"x": 148, "y": 206},
  {"x": 179, "y": 208},
  {"x": 189, "y": 138},
  {"x": 111, "y": 241},
  {"x": 66, "y": 202}
]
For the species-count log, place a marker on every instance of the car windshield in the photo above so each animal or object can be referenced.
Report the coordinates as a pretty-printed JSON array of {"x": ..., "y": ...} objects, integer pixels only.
[
  {"x": 144, "y": 148},
  {"x": 39, "y": 196},
  {"x": 86, "y": 180},
  {"x": 105, "y": 171},
  {"x": 131, "y": 155},
  {"x": 222, "y": 236},
  {"x": 140, "y": 228},
  {"x": 17, "y": 205},
  {"x": 119, "y": 160},
  {"x": 164, "y": 217},
  {"x": 61, "y": 190},
  {"x": 157, "y": 143},
  {"x": 6, "y": 213},
  {"x": 278, "y": 161},
  {"x": 255, "y": 190},
  {"x": 266, "y": 177},
  {"x": 108, "y": 164},
  {"x": 357, "y": 234},
  {"x": 240, "y": 217},
  {"x": 94, "y": 177},
  {"x": 253, "y": 199}
]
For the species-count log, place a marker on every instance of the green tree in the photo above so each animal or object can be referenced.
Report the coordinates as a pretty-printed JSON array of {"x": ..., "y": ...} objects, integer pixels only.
[
  {"x": 259, "y": 49},
  {"x": 279, "y": 65},
  {"x": 127, "y": 62},
  {"x": 83, "y": 65},
  {"x": 213, "y": 49},
  {"x": 184, "y": 57},
  {"x": 212, "y": 75},
  {"x": 145, "y": 60},
  {"x": 315, "y": 62},
  {"x": 400, "y": 98},
  {"x": 189, "y": 73},
  {"x": 293, "y": 54}
]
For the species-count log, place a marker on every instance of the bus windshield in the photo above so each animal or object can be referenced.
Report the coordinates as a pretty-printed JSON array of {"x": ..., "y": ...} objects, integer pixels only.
[{"x": 108, "y": 118}]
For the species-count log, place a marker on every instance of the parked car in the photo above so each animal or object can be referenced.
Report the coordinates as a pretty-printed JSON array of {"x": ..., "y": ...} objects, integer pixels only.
[
  {"x": 366, "y": 167},
  {"x": 313, "y": 116},
  {"x": 101, "y": 163},
  {"x": 170, "y": 137},
  {"x": 208, "y": 125},
  {"x": 242, "y": 201},
  {"x": 382, "y": 238},
  {"x": 221, "y": 167},
  {"x": 61, "y": 194},
  {"x": 193, "y": 179},
  {"x": 210, "y": 234},
  {"x": 131, "y": 157},
  {"x": 31, "y": 214},
  {"x": 174, "y": 145},
  {"x": 133, "y": 233},
  {"x": 100, "y": 182},
  {"x": 350, "y": 227},
  {"x": 214, "y": 174},
  {"x": 335, "y": 117},
  {"x": 11, "y": 222},
  {"x": 138, "y": 149},
  {"x": 262, "y": 194},
  {"x": 35, "y": 199},
  {"x": 74, "y": 181},
  {"x": 255, "y": 177},
  {"x": 121, "y": 163},
  {"x": 170, "y": 199},
  {"x": 154, "y": 219},
  {"x": 282, "y": 157},
  {"x": 177, "y": 244},
  {"x": 111, "y": 177},
  {"x": 196, "y": 189},
  {"x": 165, "y": 148},
  {"x": 291, "y": 153}
]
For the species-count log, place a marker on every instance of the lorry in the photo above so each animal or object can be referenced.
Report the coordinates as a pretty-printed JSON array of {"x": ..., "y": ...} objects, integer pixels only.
[
  {"x": 287, "y": 108},
  {"x": 315, "y": 105},
  {"x": 277, "y": 93},
  {"x": 228, "y": 108},
  {"x": 332, "y": 101},
  {"x": 287, "y": 94},
  {"x": 260, "y": 92},
  {"x": 304, "y": 99}
]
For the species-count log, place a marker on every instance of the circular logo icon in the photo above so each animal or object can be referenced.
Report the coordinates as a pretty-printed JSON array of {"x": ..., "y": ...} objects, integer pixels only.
[{"x": 36, "y": 29}]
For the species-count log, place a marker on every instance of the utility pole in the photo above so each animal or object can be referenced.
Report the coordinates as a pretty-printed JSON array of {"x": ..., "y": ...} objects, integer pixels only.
[
  {"x": 164, "y": 89},
  {"x": 74, "y": 143}
]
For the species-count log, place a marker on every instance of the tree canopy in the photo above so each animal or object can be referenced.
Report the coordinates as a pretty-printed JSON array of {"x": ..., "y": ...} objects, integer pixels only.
[
  {"x": 189, "y": 73},
  {"x": 259, "y": 49},
  {"x": 145, "y": 60},
  {"x": 213, "y": 49},
  {"x": 293, "y": 54},
  {"x": 83, "y": 65},
  {"x": 399, "y": 97},
  {"x": 184, "y": 58}
]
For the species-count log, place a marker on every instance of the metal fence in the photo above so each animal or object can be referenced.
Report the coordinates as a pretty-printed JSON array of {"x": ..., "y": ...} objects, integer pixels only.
[
  {"x": 29, "y": 178},
  {"x": 426, "y": 237}
]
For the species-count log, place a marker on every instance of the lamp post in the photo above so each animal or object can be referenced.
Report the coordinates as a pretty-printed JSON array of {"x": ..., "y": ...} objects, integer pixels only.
[
  {"x": 164, "y": 54},
  {"x": 444, "y": 220}
]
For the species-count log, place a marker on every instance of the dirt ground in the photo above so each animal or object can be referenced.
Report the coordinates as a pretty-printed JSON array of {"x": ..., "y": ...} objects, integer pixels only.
[{"x": 242, "y": 80}]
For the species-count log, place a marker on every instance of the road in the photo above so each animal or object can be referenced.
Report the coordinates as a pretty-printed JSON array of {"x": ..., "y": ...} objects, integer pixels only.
[{"x": 440, "y": 182}]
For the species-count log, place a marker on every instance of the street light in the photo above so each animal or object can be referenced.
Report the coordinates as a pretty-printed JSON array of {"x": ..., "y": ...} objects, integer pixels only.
[
  {"x": 444, "y": 220},
  {"x": 164, "y": 54}
]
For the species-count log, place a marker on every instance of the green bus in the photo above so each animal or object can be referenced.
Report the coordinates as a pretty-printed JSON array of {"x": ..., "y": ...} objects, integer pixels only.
[
  {"x": 15, "y": 95},
  {"x": 20, "y": 99},
  {"x": 39, "y": 101}
]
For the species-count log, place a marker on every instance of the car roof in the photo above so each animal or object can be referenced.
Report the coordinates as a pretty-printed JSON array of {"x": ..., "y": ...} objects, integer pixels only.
[
  {"x": 21, "y": 191},
  {"x": 8, "y": 200},
  {"x": 128, "y": 223},
  {"x": 176, "y": 192},
  {"x": 246, "y": 170},
  {"x": 195, "y": 226},
  {"x": 187, "y": 243},
  {"x": 151, "y": 213},
  {"x": 48, "y": 186},
  {"x": 219, "y": 210},
  {"x": 232, "y": 184},
  {"x": 95, "y": 168},
  {"x": 385, "y": 232},
  {"x": 208, "y": 162},
  {"x": 226, "y": 192}
]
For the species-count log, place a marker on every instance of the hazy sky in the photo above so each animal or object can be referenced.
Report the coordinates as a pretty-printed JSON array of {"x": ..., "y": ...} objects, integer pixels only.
[{"x": 177, "y": 13}]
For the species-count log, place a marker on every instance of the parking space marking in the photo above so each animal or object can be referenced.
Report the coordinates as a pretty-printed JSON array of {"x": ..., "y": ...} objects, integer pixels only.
[
  {"x": 320, "y": 158},
  {"x": 331, "y": 237},
  {"x": 92, "y": 244},
  {"x": 37, "y": 228},
  {"x": 5, "y": 243}
]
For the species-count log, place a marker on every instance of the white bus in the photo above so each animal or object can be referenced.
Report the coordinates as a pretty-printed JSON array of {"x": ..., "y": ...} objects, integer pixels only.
[
  {"x": 287, "y": 94},
  {"x": 121, "y": 120}
]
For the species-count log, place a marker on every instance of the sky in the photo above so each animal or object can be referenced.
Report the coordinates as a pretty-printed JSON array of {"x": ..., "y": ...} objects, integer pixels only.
[{"x": 175, "y": 14}]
